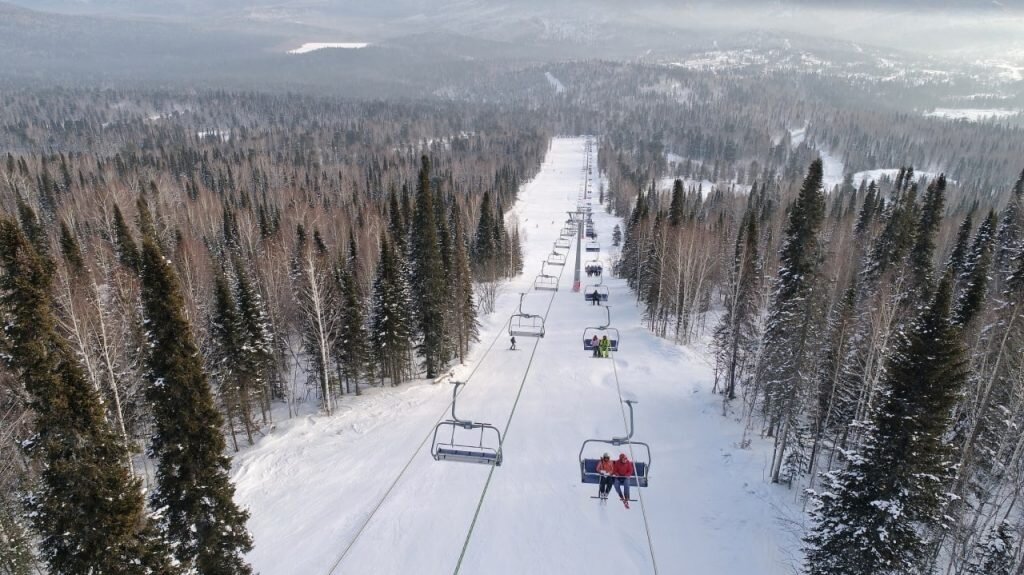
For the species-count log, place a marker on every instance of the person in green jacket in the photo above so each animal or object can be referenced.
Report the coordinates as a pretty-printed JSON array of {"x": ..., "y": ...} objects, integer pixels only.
[{"x": 606, "y": 346}]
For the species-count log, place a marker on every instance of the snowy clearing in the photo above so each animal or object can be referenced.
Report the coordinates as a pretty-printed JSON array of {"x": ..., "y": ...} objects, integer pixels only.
[
  {"x": 555, "y": 83},
  {"x": 358, "y": 492},
  {"x": 314, "y": 46},
  {"x": 890, "y": 173},
  {"x": 972, "y": 114}
]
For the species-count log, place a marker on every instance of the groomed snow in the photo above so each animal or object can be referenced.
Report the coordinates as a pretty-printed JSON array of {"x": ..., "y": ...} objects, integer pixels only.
[
  {"x": 314, "y": 46},
  {"x": 316, "y": 482}
]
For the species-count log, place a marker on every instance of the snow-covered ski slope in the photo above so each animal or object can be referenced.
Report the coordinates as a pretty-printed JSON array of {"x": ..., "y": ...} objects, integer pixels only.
[{"x": 359, "y": 492}]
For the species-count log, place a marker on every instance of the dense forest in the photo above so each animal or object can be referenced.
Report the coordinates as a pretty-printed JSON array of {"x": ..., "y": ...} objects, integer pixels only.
[{"x": 180, "y": 267}]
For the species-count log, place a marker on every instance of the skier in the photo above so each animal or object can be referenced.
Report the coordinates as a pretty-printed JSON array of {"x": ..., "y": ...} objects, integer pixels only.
[
  {"x": 596, "y": 346},
  {"x": 606, "y": 469},
  {"x": 623, "y": 470},
  {"x": 605, "y": 346},
  {"x": 513, "y": 343}
]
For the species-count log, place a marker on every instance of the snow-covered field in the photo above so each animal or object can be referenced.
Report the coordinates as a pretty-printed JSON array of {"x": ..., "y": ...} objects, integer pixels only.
[
  {"x": 359, "y": 493},
  {"x": 314, "y": 46},
  {"x": 972, "y": 114}
]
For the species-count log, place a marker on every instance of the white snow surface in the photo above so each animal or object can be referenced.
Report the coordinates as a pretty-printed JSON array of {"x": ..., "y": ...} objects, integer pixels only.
[
  {"x": 876, "y": 175},
  {"x": 555, "y": 83},
  {"x": 973, "y": 114},
  {"x": 314, "y": 46},
  {"x": 313, "y": 482}
]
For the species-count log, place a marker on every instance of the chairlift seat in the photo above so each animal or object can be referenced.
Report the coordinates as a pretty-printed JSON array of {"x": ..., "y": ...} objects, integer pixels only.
[
  {"x": 467, "y": 455},
  {"x": 546, "y": 282},
  {"x": 526, "y": 325},
  {"x": 593, "y": 247},
  {"x": 595, "y": 292},
  {"x": 589, "y": 474}
]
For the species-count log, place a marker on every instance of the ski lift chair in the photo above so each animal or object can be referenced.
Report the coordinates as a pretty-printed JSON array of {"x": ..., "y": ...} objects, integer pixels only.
[
  {"x": 545, "y": 281},
  {"x": 562, "y": 243},
  {"x": 601, "y": 331},
  {"x": 481, "y": 451},
  {"x": 556, "y": 258},
  {"x": 593, "y": 247},
  {"x": 641, "y": 463},
  {"x": 525, "y": 324},
  {"x": 595, "y": 292},
  {"x": 593, "y": 268},
  {"x": 591, "y": 234}
]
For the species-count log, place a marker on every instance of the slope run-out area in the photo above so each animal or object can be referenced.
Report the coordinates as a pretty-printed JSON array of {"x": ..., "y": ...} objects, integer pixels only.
[{"x": 358, "y": 492}]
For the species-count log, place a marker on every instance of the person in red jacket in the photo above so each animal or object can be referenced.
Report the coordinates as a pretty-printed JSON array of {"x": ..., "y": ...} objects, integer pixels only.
[
  {"x": 622, "y": 469},
  {"x": 606, "y": 469}
]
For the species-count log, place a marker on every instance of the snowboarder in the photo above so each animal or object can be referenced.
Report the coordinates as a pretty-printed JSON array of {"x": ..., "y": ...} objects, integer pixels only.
[
  {"x": 605, "y": 468},
  {"x": 513, "y": 343},
  {"x": 596, "y": 346},
  {"x": 605, "y": 346},
  {"x": 623, "y": 471}
]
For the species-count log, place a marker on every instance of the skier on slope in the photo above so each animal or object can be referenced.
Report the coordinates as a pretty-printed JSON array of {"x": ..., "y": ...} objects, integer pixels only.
[
  {"x": 513, "y": 343},
  {"x": 605, "y": 346},
  {"x": 605, "y": 468},
  {"x": 623, "y": 471}
]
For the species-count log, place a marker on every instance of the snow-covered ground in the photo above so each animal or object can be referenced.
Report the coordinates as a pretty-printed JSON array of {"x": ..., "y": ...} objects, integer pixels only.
[
  {"x": 359, "y": 493},
  {"x": 314, "y": 46},
  {"x": 972, "y": 114},
  {"x": 555, "y": 83},
  {"x": 875, "y": 175}
]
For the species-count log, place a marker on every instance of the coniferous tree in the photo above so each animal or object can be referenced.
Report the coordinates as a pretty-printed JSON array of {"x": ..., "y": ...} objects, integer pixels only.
[
  {"x": 428, "y": 278},
  {"x": 464, "y": 320},
  {"x": 483, "y": 250},
  {"x": 676, "y": 208},
  {"x": 923, "y": 251},
  {"x": 193, "y": 491},
  {"x": 87, "y": 509},
  {"x": 958, "y": 257},
  {"x": 257, "y": 337},
  {"x": 735, "y": 337},
  {"x": 616, "y": 236},
  {"x": 974, "y": 279},
  {"x": 127, "y": 250},
  {"x": 1010, "y": 232},
  {"x": 994, "y": 554},
  {"x": 873, "y": 516},
  {"x": 789, "y": 333},
  {"x": 392, "y": 322},
  {"x": 230, "y": 370},
  {"x": 354, "y": 341},
  {"x": 70, "y": 250}
]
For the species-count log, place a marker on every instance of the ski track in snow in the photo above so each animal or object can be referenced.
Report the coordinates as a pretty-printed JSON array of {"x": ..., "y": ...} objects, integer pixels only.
[{"x": 312, "y": 482}]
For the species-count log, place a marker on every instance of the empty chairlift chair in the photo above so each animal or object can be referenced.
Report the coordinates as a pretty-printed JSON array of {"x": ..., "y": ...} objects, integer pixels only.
[
  {"x": 593, "y": 247},
  {"x": 524, "y": 324},
  {"x": 601, "y": 331},
  {"x": 469, "y": 446},
  {"x": 641, "y": 453},
  {"x": 556, "y": 258},
  {"x": 562, "y": 244},
  {"x": 545, "y": 281}
]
